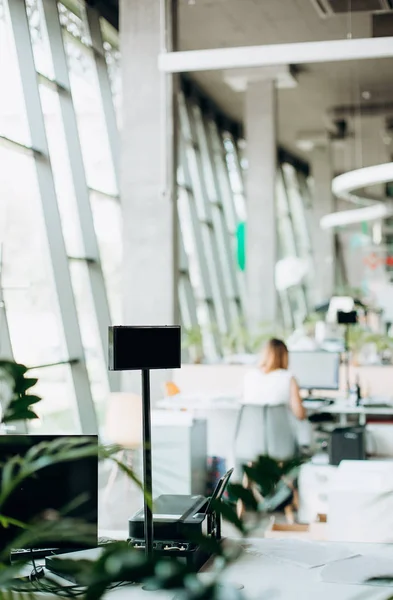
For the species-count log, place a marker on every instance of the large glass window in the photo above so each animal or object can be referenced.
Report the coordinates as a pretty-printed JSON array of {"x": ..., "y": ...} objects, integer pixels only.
[
  {"x": 213, "y": 194},
  {"x": 28, "y": 289},
  {"x": 13, "y": 119},
  {"x": 35, "y": 323},
  {"x": 211, "y": 208}
]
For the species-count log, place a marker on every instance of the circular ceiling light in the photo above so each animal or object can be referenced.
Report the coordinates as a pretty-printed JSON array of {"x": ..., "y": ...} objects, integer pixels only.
[
  {"x": 344, "y": 186},
  {"x": 342, "y": 218}
]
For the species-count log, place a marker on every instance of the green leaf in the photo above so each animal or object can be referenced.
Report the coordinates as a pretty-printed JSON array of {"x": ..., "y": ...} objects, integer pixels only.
[
  {"x": 66, "y": 531},
  {"x": 229, "y": 514},
  {"x": 209, "y": 544},
  {"x": 8, "y": 572},
  {"x": 26, "y": 383},
  {"x": 32, "y": 399},
  {"x": 7, "y": 521},
  {"x": 23, "y": 403},
  {"x": 291, "y": 465},
  {"x": 266, "y": 473},
  {"x": 110, "y": 452},
  {"x": 16, "y": 369},
  {"x": 19, "y": 408},
  {"x": 8, "y": 471},
  {"x": 246, "y": 496},
  {"x": 19, "y": 416}
]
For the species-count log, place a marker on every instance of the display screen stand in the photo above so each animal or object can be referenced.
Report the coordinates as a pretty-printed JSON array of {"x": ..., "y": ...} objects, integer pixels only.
[{"x": 147, "y": 466}]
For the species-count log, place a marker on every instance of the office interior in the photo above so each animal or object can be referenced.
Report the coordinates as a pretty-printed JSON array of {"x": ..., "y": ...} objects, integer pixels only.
[{"x": 152, "y": 175}]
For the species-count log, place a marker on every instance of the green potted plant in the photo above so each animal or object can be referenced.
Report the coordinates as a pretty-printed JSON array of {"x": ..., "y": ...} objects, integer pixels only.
[
  {"x": 310, "y": 322},
  {"x": 241, "y": 338},
  {"x": 16, "y": 401},
  {"x": 117, "y": 561},
  {"x": 383, "y": 345},
  {"x": 357, "y": 338},
  {"x": 193, "y": 342},
  {"x": 264, "y": 332},
  {"x": 235, "y": 339}
]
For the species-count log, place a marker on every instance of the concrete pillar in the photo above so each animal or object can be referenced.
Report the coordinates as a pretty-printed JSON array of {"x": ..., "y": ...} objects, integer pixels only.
[
  {"x": 148, "y": 206},
  {"x": 260, "y": 121},
  {"x": 322, "y": 240}
]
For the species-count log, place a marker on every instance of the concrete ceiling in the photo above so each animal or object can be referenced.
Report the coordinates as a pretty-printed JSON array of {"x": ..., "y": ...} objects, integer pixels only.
[
  {"x": 321, "y": 87},
  {"x": 222, "y": 23}
]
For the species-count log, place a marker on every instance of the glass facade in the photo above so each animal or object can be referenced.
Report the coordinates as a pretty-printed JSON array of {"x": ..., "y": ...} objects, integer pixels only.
[
  {"x": 60, "y": 226},
  {"x": 61, "y": 249}
]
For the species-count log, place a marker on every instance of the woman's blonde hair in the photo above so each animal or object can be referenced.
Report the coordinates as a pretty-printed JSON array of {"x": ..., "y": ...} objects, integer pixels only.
[{"x": 274, "y": 356}]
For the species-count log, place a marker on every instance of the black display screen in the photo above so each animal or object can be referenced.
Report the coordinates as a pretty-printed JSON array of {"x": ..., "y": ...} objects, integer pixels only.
[
  {"x": 138, "y": 348},
  {"x": 63, "y": 490}
]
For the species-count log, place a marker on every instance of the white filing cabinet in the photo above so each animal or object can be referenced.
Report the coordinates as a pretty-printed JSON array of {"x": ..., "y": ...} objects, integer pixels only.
[
  {"x": 179, "y": 453},
  {"x": 314, "y": 485},
  {"x": 361, "y": 502},
  {"x": 380, "y": 439}
]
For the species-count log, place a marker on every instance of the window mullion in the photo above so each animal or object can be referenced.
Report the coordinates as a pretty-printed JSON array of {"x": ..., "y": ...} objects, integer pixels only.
[
  {"x": 227, "y": 234},
  {"x": 61, "y": 272},
  {"x": 208, "y": 230},
  {"x": 96, "y": 277},
  {"x": 93, "y": 21}
]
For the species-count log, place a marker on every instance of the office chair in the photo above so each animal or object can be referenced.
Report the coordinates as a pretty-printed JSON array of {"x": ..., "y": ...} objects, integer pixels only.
[
  {"x": 277, "y": 434},
  {"x": 278, "y": 440}
]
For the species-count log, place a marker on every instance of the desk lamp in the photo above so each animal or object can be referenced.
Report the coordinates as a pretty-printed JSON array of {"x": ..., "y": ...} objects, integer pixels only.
[
  {"x": 342, "y": 312},
  {"x": 142, "y": 348},
  {"x": 347, "y": 319}
]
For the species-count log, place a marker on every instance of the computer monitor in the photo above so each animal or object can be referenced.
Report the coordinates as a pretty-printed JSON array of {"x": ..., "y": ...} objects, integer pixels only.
[
  {"x": 315, "y": 370},
  {"x": 50, "y": 490}
]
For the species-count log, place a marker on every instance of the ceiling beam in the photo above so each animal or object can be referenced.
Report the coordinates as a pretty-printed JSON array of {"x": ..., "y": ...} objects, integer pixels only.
[{"x": 275, "y": 54}]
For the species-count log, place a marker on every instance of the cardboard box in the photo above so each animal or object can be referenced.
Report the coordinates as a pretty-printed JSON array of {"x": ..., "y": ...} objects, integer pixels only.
[{"x": 284, "y": 530}]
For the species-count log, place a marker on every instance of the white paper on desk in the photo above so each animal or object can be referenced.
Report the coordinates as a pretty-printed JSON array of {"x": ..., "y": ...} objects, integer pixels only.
[
  {"x": 298, "y": 552},
  {"x": 359, "y": 570}
]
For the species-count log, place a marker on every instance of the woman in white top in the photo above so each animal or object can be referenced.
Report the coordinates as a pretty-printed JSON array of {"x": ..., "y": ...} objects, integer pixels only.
[
  {"x": 271, "y": 402},
  {"x": 271, "y": 383}
]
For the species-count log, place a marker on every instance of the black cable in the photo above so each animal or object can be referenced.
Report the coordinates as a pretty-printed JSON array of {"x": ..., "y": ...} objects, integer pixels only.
[{"x": 68, "y": 591}]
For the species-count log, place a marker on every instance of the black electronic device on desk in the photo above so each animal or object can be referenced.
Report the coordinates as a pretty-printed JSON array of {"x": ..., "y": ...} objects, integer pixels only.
[
  {"x": 65, "y": 489},
  {"x": 347, "y": 443},
  {"x": 179, "y": 522}
]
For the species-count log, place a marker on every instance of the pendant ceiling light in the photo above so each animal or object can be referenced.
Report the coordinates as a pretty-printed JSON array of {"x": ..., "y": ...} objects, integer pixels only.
[{"x": 350, "y": 186}]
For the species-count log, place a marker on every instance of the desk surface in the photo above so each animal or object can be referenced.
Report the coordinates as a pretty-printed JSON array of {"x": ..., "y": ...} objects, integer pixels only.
[
  {"x": 342, "y": 407},
  {"x": 264, "y": 577},
  {"x": 208, "y": 403}
]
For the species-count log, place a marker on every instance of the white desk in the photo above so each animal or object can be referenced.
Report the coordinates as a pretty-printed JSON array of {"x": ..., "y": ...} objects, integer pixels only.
[
  {"x": 221, "y": 413},
  {"x": 343, "y": 408},
  {"x": 264, "y": 577}
]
